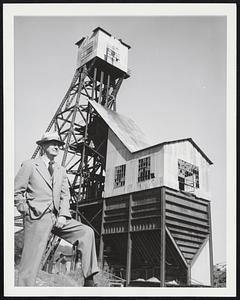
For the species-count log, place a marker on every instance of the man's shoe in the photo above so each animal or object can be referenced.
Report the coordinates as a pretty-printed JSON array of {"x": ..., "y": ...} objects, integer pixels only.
[{"x": 89, "y": 281}]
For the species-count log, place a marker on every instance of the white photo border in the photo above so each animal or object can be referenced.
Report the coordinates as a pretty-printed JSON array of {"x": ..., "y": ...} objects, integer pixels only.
[{"x": 69, "y": 10}]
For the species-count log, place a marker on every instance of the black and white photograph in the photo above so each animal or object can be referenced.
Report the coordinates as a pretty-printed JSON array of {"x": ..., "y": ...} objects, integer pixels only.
[{"x": 119, "y": 149}]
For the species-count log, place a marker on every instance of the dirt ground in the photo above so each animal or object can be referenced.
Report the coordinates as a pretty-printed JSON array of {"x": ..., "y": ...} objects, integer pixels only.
[{"x": 49, "y": 280}]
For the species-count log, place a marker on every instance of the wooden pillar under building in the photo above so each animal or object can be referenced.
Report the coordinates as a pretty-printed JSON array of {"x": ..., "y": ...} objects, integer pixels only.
[
  {"x": 101, "y": 86},
  {"x": 129, "y": 243},
  {"x": 162, "y": 239},
  {"x": 189, "y": 275},
  {"x": 101, "y": 245},
  {"x": 210, "y": 246}
]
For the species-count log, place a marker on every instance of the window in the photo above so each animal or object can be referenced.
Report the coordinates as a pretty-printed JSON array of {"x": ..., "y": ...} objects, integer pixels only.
[
  {"x": 112, "y": 54},
  {"x": 144, "y": 169},
  {"x": 188, "y": 176},
  {"x": 87, "y": 50},
  {"x": 119, "y": 179}
]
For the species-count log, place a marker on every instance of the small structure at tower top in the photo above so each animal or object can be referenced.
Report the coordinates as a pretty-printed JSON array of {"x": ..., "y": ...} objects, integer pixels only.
[{"x": 105, "y": 47}]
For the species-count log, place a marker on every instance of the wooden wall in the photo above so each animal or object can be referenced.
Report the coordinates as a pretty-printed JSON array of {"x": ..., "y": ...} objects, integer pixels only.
[
  {"x": 164, "y": 165},
  {"x": 144, "y": 216},
  {"x": 118, "y": 154},
  {"x": 100, "y": 42},
  {"x": 187, "y": 152}
]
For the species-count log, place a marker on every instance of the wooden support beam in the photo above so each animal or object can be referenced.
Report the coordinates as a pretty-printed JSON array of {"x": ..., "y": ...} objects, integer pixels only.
[
  {"x": 186, "y": 212},
  {"x": 129, "y": 243},
  {"x": 186, "y": 219},
  {"x": 107, "y": 91},
  {"x": 197, "y": 229},
  {"x": 176, "y": 247},
  {"x": 189, "y": 275},
  {"x": 75, "y": 78},
  {"x": 210, "y": 246},
  {"x": 186, "y": 234},
  {"x": 188, "y": 197},
  {"x": 94, "y": 83},
  {"x": 186, "y": 203},
  {"x": 101, "y": 246},
  {"x": 101, "y": 87},
  {"x": 162, "y": 239}
]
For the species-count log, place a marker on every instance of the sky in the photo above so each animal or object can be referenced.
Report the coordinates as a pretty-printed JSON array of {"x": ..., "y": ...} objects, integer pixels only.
[{"x": 177, "y": 87}]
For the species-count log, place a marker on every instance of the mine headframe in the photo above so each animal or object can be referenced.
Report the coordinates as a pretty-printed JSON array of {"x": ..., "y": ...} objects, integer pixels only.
[{"x": 101, "y": 68}]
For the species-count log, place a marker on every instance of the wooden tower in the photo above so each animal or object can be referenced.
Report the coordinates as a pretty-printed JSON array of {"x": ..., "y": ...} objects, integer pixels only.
[{"x": 102, "y": 65}]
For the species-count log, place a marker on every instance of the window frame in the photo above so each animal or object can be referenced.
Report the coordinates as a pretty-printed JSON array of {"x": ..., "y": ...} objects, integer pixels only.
[
  {"x": 119, "y": 176},
  {"x": 191, "y": 181},
  {"x": 144, "y": 166}
]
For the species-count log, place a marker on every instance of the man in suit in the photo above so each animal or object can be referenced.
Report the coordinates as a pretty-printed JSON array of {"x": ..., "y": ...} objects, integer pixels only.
[{"x": 42, "y": 196}]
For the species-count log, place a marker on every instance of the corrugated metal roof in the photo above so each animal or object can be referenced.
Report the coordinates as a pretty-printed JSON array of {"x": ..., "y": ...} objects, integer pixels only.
[
  {"x": 179, "y": 141},
  {"x": 130, "y": 134},
  {"x": 124, "y": 128}
]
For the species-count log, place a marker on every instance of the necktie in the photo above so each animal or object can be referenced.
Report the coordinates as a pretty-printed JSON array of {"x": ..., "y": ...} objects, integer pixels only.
[{"x": 50, "y": 167}]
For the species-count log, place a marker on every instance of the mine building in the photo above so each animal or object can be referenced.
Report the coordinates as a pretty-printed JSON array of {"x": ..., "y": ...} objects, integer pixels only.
[
  {"x": 156, "y": 217},
  {"x": 148, "y": 204}
]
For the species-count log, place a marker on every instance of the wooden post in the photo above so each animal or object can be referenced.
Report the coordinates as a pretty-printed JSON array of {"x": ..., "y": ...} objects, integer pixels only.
[
  {"x": 94, "y": 83},
  {"x": 162, "y": 239},
  {"x": 210, "y": 246},
  {"x": 189, "y": 275},
  {"x": 101, "y": 87},
  {"x": 107, "y": 91},
  {"x": 129, "y": 243},
  {"x": 101, "y": 246}
]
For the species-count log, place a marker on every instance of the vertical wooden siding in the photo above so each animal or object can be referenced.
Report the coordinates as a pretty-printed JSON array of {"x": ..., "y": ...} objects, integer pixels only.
[
  {"x": 188, "y": 221},
  {"x": 118, "y": 154},
  {"x": 164, "y": 165},
  {"x": 187, "y": 152}
]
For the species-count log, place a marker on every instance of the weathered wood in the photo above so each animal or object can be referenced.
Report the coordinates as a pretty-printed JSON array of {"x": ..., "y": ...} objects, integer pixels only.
[
  {"x": 176, "y": 247},
  {"x": 188, "y": 250},
  {"x": 147, "y": 217},
  {"x": 186, "y": 234},
  {"x": 101, "y": 86},
  {"x": 199, "y": 250},
  {"x": 116, "y": 221},
  {"x": 189, "y": 275},
  {"x": 94, "y": 83},
  {"x": 189, "y": 197},
  {"x": 117, "y": 211},
  {"x": 186, "y": 211},
  {"x": 116, "y": 206},
  {"x": 146, "y": 210},
  {"x": 162, "y": 240},
  {"x": 210, "y": 247},
  {"x": 188, "y": 255},
  {"x": 107, "y": 90},
  {"x": 120, "y": 214},
  {"x": 187, "y": 244},
  {"x": 148, "y": 227},
  {"x": 185, "y": 203},
  {"x": 145, "y": 201},
  {"x": 143, "y": 247},
  {"x": 190, "y": 227},
  {"x": 101, "y": 246},
  {"x": 186, "y": 219},
  {"x": 129, "y": 243}
]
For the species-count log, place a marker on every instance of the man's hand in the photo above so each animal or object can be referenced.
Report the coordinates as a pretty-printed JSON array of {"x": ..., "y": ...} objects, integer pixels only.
[
  {"x": 61, "y": 221},
  {"x": 22, "y": 208}
]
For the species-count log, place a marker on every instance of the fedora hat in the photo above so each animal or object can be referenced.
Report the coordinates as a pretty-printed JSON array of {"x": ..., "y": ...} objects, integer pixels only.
[{"x": 50, "y": 136}]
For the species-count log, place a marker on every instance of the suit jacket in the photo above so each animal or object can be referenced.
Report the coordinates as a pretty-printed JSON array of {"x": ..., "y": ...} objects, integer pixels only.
[{"x": 35, "y": 188}]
